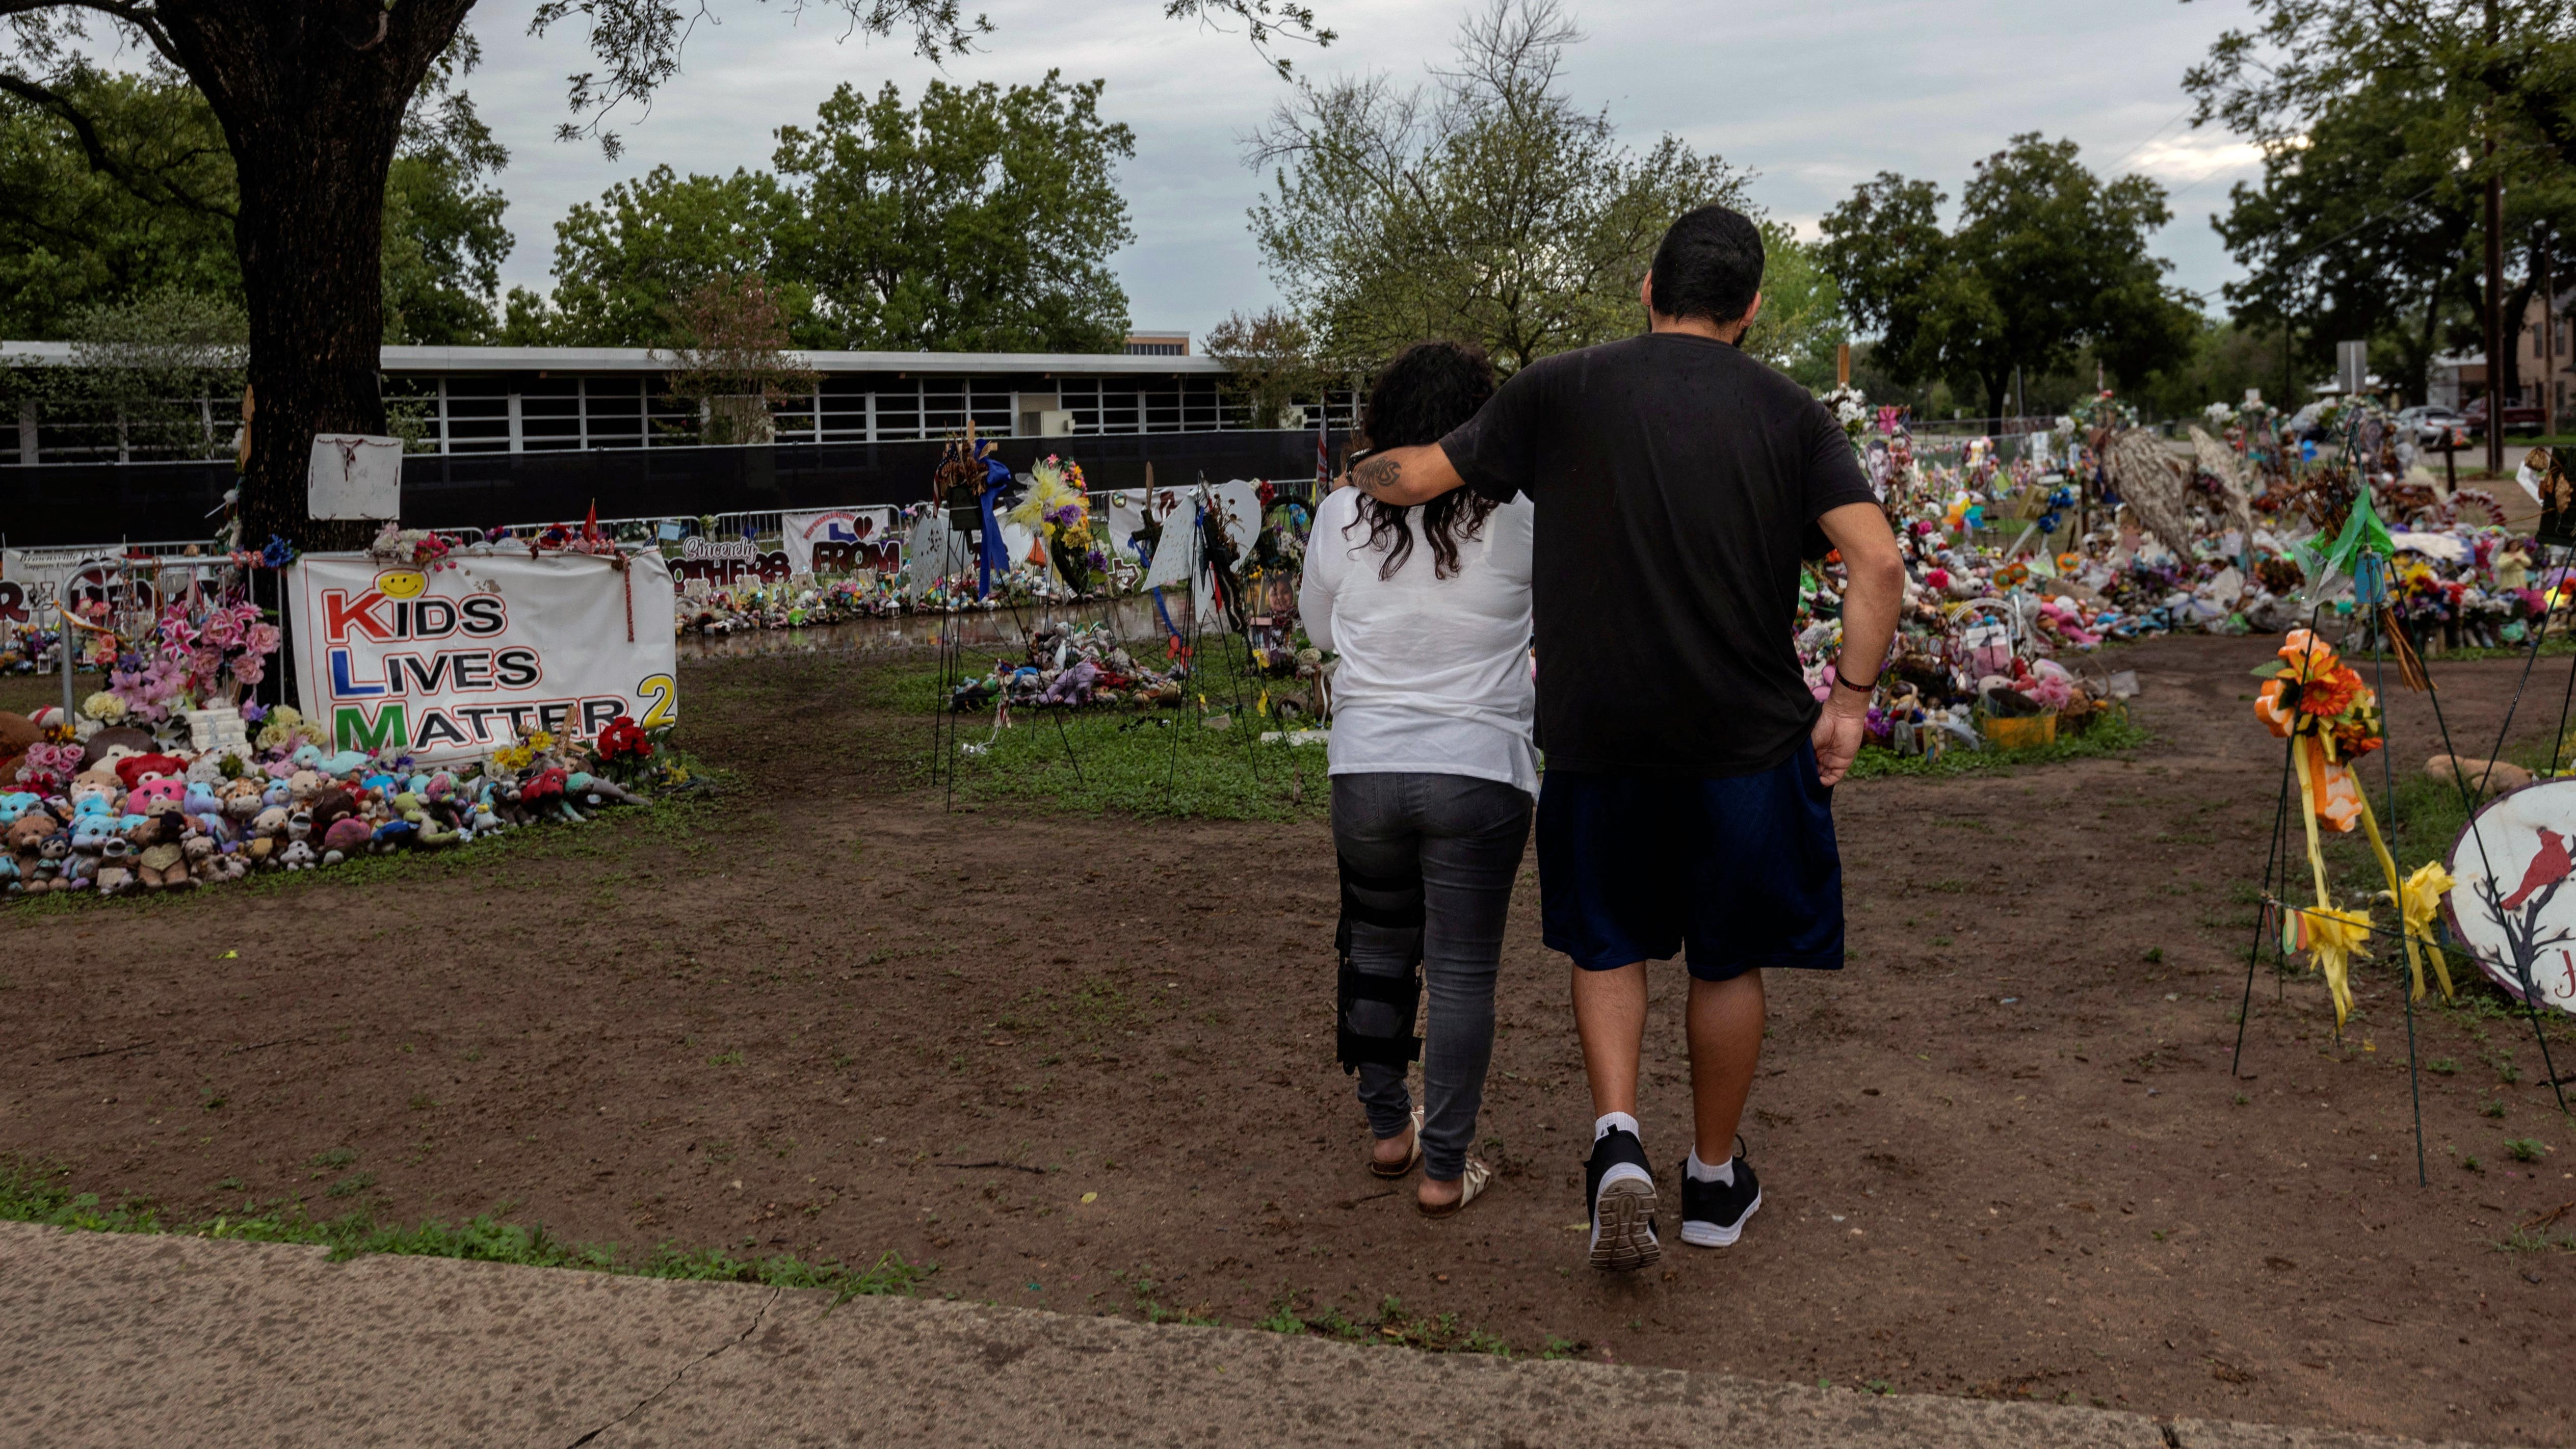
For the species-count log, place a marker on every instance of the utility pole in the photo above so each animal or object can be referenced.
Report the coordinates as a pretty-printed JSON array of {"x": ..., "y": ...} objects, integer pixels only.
[
  {"x": 2548, "y": 335},
  {"x": 2495, "y": 284}
]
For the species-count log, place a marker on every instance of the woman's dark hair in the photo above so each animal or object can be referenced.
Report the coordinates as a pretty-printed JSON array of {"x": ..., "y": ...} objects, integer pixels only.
[
  {"x": 1709, "y": 264},
  {"x": 1420, "y": 397}
]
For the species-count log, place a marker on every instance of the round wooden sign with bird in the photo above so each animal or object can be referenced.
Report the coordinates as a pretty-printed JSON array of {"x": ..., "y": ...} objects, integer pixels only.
[{"x": 2512, "y": 902}]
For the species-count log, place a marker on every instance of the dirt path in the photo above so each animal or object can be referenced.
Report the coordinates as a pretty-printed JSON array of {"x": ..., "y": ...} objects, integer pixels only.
[{"x": 2002, "y": 1154}]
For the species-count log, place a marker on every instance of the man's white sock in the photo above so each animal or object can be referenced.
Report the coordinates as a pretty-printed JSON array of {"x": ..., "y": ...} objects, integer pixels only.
[
  {"x": 1609, "y": 1122},
  {"x": 1700, "y": 1171}
]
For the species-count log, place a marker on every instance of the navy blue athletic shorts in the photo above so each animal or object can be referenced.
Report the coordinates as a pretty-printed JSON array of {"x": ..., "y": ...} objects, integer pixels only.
[{"x": 1742, "y": 870}]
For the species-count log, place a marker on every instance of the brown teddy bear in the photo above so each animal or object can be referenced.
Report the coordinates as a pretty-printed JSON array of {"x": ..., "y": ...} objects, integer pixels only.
[
  {"x": 26, "y": 841},
  {"x": 159, "y": 861}
]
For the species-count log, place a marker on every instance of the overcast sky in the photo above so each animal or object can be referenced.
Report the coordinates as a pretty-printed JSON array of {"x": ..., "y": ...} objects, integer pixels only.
[{"x": 1813, "y": 97}]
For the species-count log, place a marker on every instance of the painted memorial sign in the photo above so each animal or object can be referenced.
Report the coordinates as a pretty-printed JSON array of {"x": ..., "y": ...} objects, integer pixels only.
[
  {"x": 2515, "y": 903},
  {"x": 32, "y": 582},
  {"x": 452, "y": 663},
  {"x": 843, "y": 540},
  {"x": 729, "y": 562}
]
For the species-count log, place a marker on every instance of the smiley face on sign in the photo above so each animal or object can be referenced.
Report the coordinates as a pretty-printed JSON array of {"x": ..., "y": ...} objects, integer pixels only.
[{"x": 401, "y": 583}]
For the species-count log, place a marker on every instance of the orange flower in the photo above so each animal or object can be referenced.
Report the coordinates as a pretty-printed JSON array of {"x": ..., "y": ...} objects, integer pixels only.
[
  {"x": 2355, "y": 739},
  {"x": 2308, "y": 657},
  {"x": 2328, "y": 695}
]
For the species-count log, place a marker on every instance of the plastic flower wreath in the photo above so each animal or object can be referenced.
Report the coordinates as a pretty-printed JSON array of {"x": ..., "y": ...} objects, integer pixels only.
[
  {"x": 1057, "y": 510},
  {"x": 2331, "y": 717}
]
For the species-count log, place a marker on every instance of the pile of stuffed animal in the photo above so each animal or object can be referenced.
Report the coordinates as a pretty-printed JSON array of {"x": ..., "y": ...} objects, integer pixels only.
[
  {"x": 1073, "y": 668},
  {"x": 115, "y": 809}
]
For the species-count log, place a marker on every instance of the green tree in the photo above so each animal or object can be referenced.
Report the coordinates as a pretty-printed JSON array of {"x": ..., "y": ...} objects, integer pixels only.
[
  {"x": 444, "y": 236},
  {"x": 126, "y": 190},
  {"x": 2046, "y": 259},
  {"x": 313, "y": 96},
  {"x": 1270, "y": 363},
  {"x": 1801, "y": 322},
  {"x": 623, "y": 263},
  {"x": 1491, "y": 209},
  {"x": 2380, "y": 126},
  {"x": 981, "y": 221},
  {"x": 141, "y": 372},
  {"x": 135, "y": 198},
  {"x": 732, "y": 359},
  {"x": 2226, "y": 359}
]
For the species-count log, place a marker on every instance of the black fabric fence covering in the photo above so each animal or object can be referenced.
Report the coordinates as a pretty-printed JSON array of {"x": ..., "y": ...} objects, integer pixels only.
[{"x": 67, "y": 504}]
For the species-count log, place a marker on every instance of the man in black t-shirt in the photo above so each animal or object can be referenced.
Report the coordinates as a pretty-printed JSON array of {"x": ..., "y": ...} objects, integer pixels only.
[{"x": 1688, "y": 796}]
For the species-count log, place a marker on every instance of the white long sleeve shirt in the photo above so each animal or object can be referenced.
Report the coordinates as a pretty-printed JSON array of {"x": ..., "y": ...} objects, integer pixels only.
[{"x": 1435, "y": 673}]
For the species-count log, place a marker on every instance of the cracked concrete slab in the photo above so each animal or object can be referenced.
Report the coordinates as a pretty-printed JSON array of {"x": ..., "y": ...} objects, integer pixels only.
[{"x": 110, "y": 1339}]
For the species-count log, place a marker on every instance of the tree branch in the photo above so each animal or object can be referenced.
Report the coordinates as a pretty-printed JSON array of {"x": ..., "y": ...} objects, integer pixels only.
[{"x": 100, "y": 161}]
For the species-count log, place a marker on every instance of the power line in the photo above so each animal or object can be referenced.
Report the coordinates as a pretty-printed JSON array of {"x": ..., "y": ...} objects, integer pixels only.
[
  {"x": 2151, "y": 136},
  {"x": 2354, "y": 230}
]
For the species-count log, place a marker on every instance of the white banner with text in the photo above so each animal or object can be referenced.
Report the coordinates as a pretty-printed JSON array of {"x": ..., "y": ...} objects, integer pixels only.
[{"x": 451, "y": 663}]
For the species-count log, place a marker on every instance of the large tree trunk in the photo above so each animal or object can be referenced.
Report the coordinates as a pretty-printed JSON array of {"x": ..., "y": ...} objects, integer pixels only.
[{"x": 311, "y": 94}]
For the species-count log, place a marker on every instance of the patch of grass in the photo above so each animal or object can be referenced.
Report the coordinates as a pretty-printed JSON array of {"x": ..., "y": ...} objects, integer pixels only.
[
  {"x": 2493, "y": 1108},
  {"x": 2525, "y": 1149},
  {"x": 2442, "y": 1066},
  {"x": 1119, "y": 761},
  {"x": 335, "y": 1157},
  {"x": 1142, "y": 1287},
  {"x": 2115, "y": 736},
  {"x": 350, "y": 1186},
  {"x": 2531, "y": 1240},
  {"x": 726, "y": 1059},
  {"x": 1396, "y": 1325},
  {"x": 1436, "y": 1332},
  {"x": 30, "y": 1193}
]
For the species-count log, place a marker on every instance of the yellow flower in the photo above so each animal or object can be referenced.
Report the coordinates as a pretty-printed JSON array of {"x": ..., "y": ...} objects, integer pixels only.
[{"x": 540, "y": 740}]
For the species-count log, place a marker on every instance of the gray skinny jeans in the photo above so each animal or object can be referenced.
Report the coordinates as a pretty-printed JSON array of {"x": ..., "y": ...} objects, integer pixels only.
[{"x": 1466, "y": 837}]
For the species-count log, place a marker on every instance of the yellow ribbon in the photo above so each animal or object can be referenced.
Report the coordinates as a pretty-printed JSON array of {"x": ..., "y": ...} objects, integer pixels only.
[
  {"x": 2334, "y": 939},
  {"x": 2419, "y": 900}
]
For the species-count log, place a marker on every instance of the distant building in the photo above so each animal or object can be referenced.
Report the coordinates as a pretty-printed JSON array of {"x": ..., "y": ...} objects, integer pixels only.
[{"x": 468, "y": 400}]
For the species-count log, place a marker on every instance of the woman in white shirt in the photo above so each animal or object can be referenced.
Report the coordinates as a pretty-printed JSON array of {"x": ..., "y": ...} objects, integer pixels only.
[{"x": 1434, "y": 770}]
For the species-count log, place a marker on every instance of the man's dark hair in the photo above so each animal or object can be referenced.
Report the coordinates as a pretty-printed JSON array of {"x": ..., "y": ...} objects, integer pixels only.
[
  {"x": 1709, "y": 264},
  {"x": 1421, "y": 397}
]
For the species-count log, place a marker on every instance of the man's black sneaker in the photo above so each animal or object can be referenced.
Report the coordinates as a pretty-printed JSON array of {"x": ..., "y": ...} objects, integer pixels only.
[
  {"x": 1713, "y": 1213},
  {"x": 1622, "y": 1193}
]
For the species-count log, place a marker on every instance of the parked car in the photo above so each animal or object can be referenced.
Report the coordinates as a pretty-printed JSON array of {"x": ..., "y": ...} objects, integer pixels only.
[
  {"x": 2430, "y": 425},
  {"x": 2518, "y": 417}
]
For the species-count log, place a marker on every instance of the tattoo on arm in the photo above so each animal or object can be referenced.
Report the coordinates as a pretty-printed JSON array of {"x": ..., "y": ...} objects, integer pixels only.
[{"x": 1376, "y": 475}]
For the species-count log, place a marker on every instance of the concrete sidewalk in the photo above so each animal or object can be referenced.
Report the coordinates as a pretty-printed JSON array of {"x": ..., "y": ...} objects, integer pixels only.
[{"x": 123, "y": 1340}]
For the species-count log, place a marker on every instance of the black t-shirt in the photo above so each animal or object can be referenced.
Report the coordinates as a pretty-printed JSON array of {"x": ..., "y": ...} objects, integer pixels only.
[{"x": 1678, "y": 484}]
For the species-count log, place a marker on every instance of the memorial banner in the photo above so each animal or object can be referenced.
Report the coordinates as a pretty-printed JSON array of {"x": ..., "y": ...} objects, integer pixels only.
[
  {"x": 451, "y": 664},
  {"x": 843, "y": 540}
]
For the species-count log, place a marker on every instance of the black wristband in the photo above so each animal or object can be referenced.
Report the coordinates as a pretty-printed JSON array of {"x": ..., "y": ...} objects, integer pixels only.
[{"x": 1845, "y": 681}]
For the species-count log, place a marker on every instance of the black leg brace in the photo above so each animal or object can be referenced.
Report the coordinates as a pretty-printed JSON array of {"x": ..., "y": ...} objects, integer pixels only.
[{"x": 1393, "y": 903}]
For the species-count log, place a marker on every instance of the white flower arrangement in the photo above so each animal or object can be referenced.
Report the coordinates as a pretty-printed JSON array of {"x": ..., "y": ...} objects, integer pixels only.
[{"x": 1849, "y": 406}]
